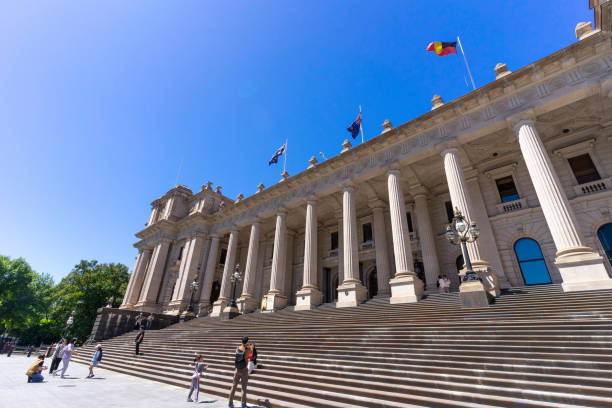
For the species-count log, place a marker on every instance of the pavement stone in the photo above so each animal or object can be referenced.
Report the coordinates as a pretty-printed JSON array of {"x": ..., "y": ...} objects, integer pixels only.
[{"x": 107, "y": 389}]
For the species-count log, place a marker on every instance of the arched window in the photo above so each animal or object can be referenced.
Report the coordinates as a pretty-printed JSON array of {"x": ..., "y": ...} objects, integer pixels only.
[
  {"x": 531, "y": 261},
  {"x": 605, "y": 237}
]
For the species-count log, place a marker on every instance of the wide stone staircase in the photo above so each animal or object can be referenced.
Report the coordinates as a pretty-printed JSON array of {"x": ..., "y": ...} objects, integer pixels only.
[{"x": 535, "y": 347}]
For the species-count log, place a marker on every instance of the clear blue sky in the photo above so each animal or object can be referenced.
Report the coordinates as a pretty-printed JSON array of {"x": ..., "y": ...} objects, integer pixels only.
[{"x": 100, "y": 100}]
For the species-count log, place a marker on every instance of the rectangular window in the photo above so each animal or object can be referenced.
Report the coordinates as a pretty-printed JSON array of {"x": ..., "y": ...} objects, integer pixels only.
[
  {"x": 180, "y": 253},
  {"x": 334, "y": 240},
  {"x": 409, "y": 218},
  {"x": 584, "y": 169},
  {"x": 449, "y": 211},
  {"x": 367, "y": 232},
  {"x": 223, "y": 256},
  {"x": 507, "y": 189}
]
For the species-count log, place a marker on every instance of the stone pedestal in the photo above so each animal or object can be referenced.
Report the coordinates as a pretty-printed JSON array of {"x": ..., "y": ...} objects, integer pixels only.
[
  {"x": 308, "y": 298},
  {"x": 229, "y": 312},
  {"x": 489, "y": 277},
  {"x": 275, "y": 301},
  {"x": 474, "y": 294},
  {"x": 247, "y": 303},
  {"x": 218, "y": 307},
  {"x": 186, "y": 316},
  {"x": 583, "y": 271},
  {"x": 351, "y": 294},
  {"x": 406, "y": 288}
]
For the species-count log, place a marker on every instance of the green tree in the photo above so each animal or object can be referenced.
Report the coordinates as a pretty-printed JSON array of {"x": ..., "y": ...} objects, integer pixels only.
[{"x": 86, "y": 288}]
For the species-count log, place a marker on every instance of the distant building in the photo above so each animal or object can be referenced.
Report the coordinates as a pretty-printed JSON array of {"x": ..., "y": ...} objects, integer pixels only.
[{"x": 528, "y": 157}]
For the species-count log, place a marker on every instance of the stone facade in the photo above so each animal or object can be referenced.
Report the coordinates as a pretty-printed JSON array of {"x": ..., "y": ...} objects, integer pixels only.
[{"x": 528, "y": 155}]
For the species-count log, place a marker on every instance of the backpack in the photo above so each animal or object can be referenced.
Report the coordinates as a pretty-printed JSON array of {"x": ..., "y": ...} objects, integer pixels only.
[{"x": 240, "y": 360}]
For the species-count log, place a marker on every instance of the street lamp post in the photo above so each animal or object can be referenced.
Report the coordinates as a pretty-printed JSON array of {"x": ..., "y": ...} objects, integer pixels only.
[
  {"x": 231, "y": 310},
  {"x": 462, "y": 231}
]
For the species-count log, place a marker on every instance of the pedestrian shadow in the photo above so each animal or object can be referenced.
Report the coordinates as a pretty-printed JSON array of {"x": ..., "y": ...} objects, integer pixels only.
[
  {"x": 97, "y": 378},
  {"x": 207, "y": 402}
]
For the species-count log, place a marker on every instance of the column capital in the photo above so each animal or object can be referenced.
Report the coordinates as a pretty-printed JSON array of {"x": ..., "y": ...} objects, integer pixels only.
[
  {"x": 525, "y": 117},
  {"x": 418, "y": 190},
  {"x": 376, "y": 204},
  {"x": 394, "y": 169},
  {"x": 348, "y": 187},
  {"x": 449, "y": 148},
  {"x": 312, "y": 201}
]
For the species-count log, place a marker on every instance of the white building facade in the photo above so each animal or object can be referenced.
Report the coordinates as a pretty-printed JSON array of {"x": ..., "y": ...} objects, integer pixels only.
[{"x": 528, "y": 157}]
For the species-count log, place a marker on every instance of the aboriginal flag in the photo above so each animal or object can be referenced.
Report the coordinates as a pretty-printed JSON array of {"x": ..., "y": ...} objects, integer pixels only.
[{"x": 443, "y": 48}]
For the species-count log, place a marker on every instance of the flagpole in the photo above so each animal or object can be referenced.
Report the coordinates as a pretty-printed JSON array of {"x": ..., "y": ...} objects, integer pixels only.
[
  {"x": 179, "y": 172},
  {"x": 285, "y": 160},
  {"x": 361, "y": 124},
  {"x": 466, "y": 63}
]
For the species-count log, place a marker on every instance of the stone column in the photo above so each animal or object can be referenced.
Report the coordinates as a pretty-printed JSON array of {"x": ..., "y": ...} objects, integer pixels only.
[
  {"x": 276, "y": 300},
  {"x": 137, "y": 278},
  {"x": 580, "y": 267},
  {"x": 351, "y": 292},
  {"x": 228, "y": 270},
  {"x": 182, "y": 295},
  {"x": 310, "y": 295},
  {"x": 155, "y": 272},
  {"x": 209, "y": 274},
  {"x": 428, "y": 244},
  {"x": 471, "y": 292},
  {"x": 340, "y": 249},
  {"x": 382, "y": 253},
  {"x": 405, "y": 285},
  {"x": 128, "y": 291},
  {"x": 247, "y": 301}
]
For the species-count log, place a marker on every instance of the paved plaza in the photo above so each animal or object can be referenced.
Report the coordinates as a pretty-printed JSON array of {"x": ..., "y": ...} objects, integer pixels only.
[{"x": 107, "y": 389}]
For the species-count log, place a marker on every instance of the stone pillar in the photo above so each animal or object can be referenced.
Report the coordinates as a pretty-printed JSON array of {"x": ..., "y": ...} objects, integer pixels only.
[
  {"x": 155, "y": 272},
  {"x": 310, "y": 295},
  {"x": 405, "y": 285},
  {"x": 351, "y": 292},
  {"x": 209, "y": 274},
  {"x": 382, "y": 253},
  {"x": 580, "y": 267},
  {"x": 228, "y": 270},
  {"x": 276, "y": 299},
  {"x": 136, "y": 280},
  {"x": 340, "y": 249},
  {"x": 428, "y": 244},
  {"x": 182, "y": 295},
  {"x": 247, "y": 301}
]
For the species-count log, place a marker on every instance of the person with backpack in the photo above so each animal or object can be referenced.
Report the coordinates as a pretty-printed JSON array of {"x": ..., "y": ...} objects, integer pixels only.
[
  {"x": 241, "y": 372},
  {"x": 97, "y": 357},
  {"x": 200, "y": 367},
  {"x": 57, "y": 355}
]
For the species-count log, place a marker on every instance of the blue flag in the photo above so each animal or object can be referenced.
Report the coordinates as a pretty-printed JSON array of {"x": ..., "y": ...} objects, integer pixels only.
[
  {"x": 355, "y": 126},
  {"x": 278, "y": 153}
]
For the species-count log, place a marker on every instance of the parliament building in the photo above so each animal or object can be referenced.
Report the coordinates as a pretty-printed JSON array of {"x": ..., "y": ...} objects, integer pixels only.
[{"x": 526, "y": 157}]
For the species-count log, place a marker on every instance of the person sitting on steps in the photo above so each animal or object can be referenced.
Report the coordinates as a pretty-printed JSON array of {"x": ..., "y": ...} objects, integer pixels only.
[{"x": 241, "y": 372}]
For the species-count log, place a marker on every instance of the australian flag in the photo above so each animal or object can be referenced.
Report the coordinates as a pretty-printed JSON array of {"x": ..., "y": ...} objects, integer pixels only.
[
  {"x": 355, "y": 126},
  {"x": 278, "y": 153}
]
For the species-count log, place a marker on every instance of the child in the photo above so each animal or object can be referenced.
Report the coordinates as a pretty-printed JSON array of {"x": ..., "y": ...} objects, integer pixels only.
[
  {"x": 97, "y": 357},
  {"x": 200, "y": 367},
  {"x": 252, "y": 359},
  {"x": 33, "y": 373}
]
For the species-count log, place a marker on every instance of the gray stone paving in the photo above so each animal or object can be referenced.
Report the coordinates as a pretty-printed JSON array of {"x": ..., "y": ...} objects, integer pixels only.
[{"x": 107, "y": 389}]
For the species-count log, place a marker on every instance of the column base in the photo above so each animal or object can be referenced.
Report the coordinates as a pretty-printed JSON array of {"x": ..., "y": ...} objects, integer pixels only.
[
  {"x": 308, "y": 298},
  {"x": 275, "y": 301},
  {"x": 204, "y": 308},
  {"x": 186, "y": 316},
  {"x": 489, "y": 278},
  {"x": 406, "y": 288},
  {"x": 474, "y": 294},
  {"x": 218, "y": 307},
  {"x": 583, "y": 270},
  {"x": 126, "y": 306},
  {"x": 247, "y": 304},
  {"x": 229, "y": 312},
  {"x": 146, "y": 307},
  {"x": 351, "y": 294}
]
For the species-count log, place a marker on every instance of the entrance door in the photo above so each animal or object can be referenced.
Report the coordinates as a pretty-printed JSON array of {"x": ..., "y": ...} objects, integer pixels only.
[
  {"x": 326, "y": 286},
  {"x": 214, "y": 293},
  {"x": 372, "y": 284},
  {"x": 605, "y": 237}
]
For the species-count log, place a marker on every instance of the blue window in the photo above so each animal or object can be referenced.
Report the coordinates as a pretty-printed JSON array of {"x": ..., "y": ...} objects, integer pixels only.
[
  {"x": 531, "y": 261},
  {"x": 605, "y": 237},
  {"x": 507, "y": 189}
]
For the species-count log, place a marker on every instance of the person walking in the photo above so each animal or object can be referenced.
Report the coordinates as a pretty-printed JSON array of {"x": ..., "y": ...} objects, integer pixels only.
[
  {"x": 33, "y": 373},
  {"x": 200, "y": 367},
  {"x": 447, "y": 284},
  {"x": 139, "y": 338},
  {"x": 241, "y": 372},
  {"x": 97, "y": 357},
  {"x": 57, "y": 355},
  {"x": 139, "y": 320},
  {"x": 68, "y": 352},
  {"x": 149, "y": 321},
  {"x": 441, "y": 284}
]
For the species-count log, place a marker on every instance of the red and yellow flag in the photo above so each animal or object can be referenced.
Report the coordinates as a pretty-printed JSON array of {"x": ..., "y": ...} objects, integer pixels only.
[{"x": 443, "y": 48}]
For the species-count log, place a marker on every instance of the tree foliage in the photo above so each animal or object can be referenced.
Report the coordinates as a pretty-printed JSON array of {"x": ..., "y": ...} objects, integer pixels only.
[{"x": 35, "y": 310}]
